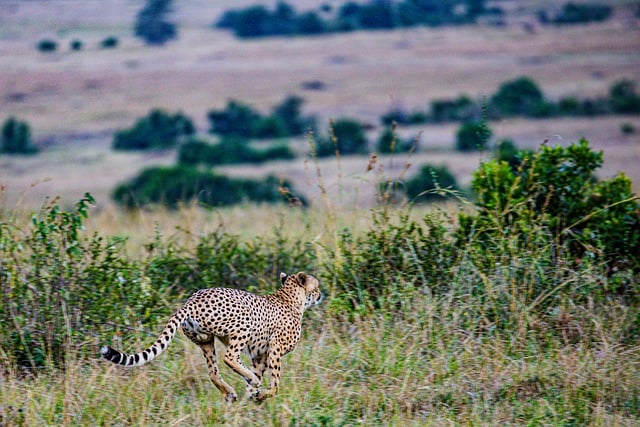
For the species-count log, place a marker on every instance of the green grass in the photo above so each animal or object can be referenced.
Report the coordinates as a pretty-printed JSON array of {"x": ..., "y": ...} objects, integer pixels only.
[
  {"x": 419, "y": 367},
  {"x": 418, "y": 328}
]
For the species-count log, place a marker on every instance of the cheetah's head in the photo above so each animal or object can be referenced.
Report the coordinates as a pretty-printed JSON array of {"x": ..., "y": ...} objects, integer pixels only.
[{"x": 310, "y": 284}]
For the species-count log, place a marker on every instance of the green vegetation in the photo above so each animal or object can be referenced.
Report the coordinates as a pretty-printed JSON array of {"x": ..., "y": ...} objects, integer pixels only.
[
  {"x": 472, "y": 136},
  {"x": 577, "y": 13},
  {"x": 230, "y": 150},
  {"x": 525, "y": 310},
  {"x": 556, "y": 189},
  {"x": 158, "y": 130},
  {"x": 47, "y": 45},
  {"x": 110, "y": 42},
  {"x": 151, "y": 23},
  {"x": 240, "y": 119},
  {"x": 521, "y": 97},
  {"x": 431, "y": 183},
  {"x": 76, "y": 45},
  {"x": 390, "y": 143},
  {"x": 175, "y": 185},
  {"x": 346, "y": 136},
  {"x": 624, "y": 99},
  {"x": 16, "y": 138},
  {"x": 258, "y": 21}
]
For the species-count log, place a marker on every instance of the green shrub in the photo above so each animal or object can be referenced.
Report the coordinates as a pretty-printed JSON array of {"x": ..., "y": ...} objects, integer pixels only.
[
  {"x": 346, "y": 136},
  {"x": 389, "y": 143},
  {"x": 461, "y": 109},
  {"x": 508, "y": 152},
  {"x": 428, "y": 184},
  {"x": 556, "y": 189},
  {"x": 391, "y": 260},
  {"x": 289, "y": 112},
  {"x": 283, "y": 20},
  {"x": 110, "y": 42},
  {"x": 172, "y": 186},
  {"x": 242, "y": 120},
  {"x": 76, "y": 45},
  {"x": 627, "y": 129},
  {"x": 61, "y": 287},
  {"x": 624, "y": 98},
  {"x": 236, "y": 119},
  {"x": 16, "y": 138},
  {"x": 309, "y": 23},
  {"x": 47, "y": 45},
  {"x": 151, "y": 24},
  {"x": 230, "y": 150},
  {"x": 521, "y": 96},
  {"x": 473, "y": 136},
  {"x": 158, "y": 130},
  {"x": 575, "y": 13}
]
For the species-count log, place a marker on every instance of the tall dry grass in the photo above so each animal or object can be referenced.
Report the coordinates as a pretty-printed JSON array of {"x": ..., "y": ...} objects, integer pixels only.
[
  {"x": 420, "y": 367},
  {"x": 420, "y": 362}
]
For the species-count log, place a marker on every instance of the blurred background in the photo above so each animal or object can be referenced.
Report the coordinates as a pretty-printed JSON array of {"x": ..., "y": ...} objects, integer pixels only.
[{"x": 160, "y": 102}]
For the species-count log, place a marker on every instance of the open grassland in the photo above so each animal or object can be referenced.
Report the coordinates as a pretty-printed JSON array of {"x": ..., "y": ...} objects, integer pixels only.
[
  {"x": 418, "y": 368},
  {"x": 483, "y": 349},
  {"x": 73, "y": 168},
  {"x": 74, "y": 101},
  {"x": 514, "y": 333}
]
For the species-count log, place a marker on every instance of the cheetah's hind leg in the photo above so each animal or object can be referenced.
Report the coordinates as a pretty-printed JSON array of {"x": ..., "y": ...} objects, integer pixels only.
[{"x": 209, "y": 350}]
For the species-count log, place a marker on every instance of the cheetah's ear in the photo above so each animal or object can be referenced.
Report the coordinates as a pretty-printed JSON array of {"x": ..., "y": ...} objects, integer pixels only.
[
  {"x": 302, "y": 278},
  {"x": 283, "y": 277}
]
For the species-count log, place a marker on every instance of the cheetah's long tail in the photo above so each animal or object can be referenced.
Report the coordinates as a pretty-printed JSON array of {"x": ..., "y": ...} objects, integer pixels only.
[{"x": 145, "y": 356}]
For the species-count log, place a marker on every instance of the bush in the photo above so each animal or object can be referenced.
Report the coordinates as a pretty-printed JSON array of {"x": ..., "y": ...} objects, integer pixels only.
[
  {"x": 624, "y": 98},
  {"x": 473, "y": 136},
  {"x": 508, "y": 152},
  {"x": 151, "y": 24},
  {"x": 172, "y": 186},
  {"x": 158, "y": 130},
  {"x": 309, "y": 23},
  {"x": 574, "y": 13},
  {"x": 391, "y": 259},
  {"x": 346, "y": 136},
  {"x": 289, "y": 112},
  {"x": 521, "y": 96},
  {"x": 230, "y": 150},
  {"x": 389, "y": 143},
  {"x": 76, "y": 45},
  {"x": 110, "y": 42},
  {"x": 627, "y": 129},
  {"x": 16, "y": 138},
  {"x": 240, "y": 119},
  {"x": 236, "y": 119},
  {"x": 461, "y": 109},
  {"x": 47, "y": 45},
  {"x": 426, "y": 186},
  {"x": 259, "y": 21},
  {"x": 556, "y": 189},
  {"x": 61, "y": 287}
]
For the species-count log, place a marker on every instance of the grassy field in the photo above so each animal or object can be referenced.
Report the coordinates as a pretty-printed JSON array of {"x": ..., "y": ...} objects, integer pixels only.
[
  {"x": 74, "y": 101},
  {"x": 486, "y": 348},
  {"x": 422, "y": 363}
]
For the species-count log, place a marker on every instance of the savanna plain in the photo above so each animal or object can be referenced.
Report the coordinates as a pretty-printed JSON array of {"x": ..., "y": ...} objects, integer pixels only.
[{"x": 419, "y": 325}]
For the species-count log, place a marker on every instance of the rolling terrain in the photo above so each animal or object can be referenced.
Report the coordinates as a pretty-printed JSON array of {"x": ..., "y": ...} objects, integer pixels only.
[{"x": 74, "y": 101}]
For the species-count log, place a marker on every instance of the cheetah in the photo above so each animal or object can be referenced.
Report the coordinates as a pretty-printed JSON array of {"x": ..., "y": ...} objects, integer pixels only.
[{"x": 265, "y": 327}]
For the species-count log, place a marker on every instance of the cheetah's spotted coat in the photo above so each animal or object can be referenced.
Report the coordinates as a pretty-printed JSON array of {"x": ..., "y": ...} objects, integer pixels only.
[{"x": 267, "y": 327}]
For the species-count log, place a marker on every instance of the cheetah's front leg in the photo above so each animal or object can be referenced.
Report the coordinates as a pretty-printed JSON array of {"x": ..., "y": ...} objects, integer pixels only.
[
  {"x": 232, "y": 359},
  {"x": 274, "y": 360}
]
